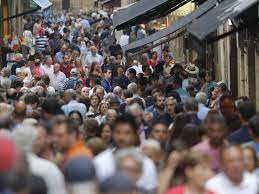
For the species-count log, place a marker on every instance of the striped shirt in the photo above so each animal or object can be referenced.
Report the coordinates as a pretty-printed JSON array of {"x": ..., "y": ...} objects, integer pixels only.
[{"x": 41, "y": 42}]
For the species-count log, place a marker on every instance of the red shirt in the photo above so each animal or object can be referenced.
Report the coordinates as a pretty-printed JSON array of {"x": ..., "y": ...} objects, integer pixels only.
[
  {"x": 66, "y": 69},
  {"x": 181, "y": 190}
]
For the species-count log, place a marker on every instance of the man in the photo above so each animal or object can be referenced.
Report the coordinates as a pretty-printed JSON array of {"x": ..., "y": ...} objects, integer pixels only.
[
  {"x": 254, "y": 133},
  {"x": 125, "y": 136},
  {"x": 60, "y": 55},
  {"x": 67, "y": 141},
  {"x": 159, "y": 131},
  {"x": 124, "y": 38},
  {"x": 93, "y": 57},
  {"x": 120, "y": 80},
  {"x": 246, "y": 112},
  {"x": 66, "y": 66},
  {"x": 132, "y": 75},
  {"x": 85, "y": 91},
  {"x": 100, "y": 91},
  {"x": 233, "y": 179},
  {"x": 159, "y": 106},
  {"x": 72, "y": 104},
  {"x": 170, "y": 105},
  {"x": 201, "y": 98},
  {"x": 216, "y": 130},
  {"x": 57, "y": 78},
  {"x": 32, "y": 101},
  {"x": 152, "y": 149},
  {"x": 73, "y": 81},
  {"x": 47, "y": 68},
  {"x": 25, "y": 137},
  {"x": 106, "y": 81}
]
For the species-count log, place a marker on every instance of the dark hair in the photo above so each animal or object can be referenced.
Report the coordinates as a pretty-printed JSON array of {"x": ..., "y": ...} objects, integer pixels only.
[
  {"x": 51, "y": 106},
  {"x": 254, "y": 125},
  {"x": 191, "y": 105},
  {"x": 37, "y": 185},
  {"x": 126, "y": 119},
  {"x": 127, "y": 93},
  {"x": 71, "y": 125},
  {"x": 80, "y": 115},
  {"x": 31, "y": 98},
  {"x": 91, "y": 126},
  {"x": 158, "y": 122},
  {"x": 246, "y": 109},
  {"x": 45, "y": 79},
  {"x": 190, "y": 135}
]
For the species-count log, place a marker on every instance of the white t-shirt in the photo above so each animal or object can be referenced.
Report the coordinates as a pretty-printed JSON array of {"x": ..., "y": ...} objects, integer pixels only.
[
  {"x": 124, "y": 40},
  {"x": 220, "y": 184}
]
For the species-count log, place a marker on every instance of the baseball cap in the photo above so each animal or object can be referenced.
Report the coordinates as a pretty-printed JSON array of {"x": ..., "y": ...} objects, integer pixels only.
[{"x": 73, "y": 71}]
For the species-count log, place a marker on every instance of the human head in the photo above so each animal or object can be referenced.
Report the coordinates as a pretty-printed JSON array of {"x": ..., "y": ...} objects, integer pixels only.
[
  {"x": 100, "y": 91},
  {"x": 106, "y": 132},
  {"x": 227, "y": 106},
  {"x": 159, "y": 132},
  {"x": 65, "y": 133},
  {"x": 152, "y": 149},
  {"x": 232, "y": 163},
  {"x": 117, "y": 91},
  {"x": 133, "y": 87},
  {"x": 76, "y": 116},
  {"x": 90, "y": 128},
  {"x": 201, "y": 98},
  {"x": 63, "y": 48},
  {"x": 94, "y": 100},
  {"x": 246, "y": 110},
  {"x": 216, "y": 129},
  {"x": 103, "y": 108},
  {"x": 120, "y": 70},
  {"x": 170, "y": 104},
  {"x": 56, "y": 68},
  {"x": 107, "y": 74},
  {"x": 94, "y": 50},
  {"x": 48, "y": 60},
  {"x": 159, "y": 101},
  {"x": 111, "y": 116},
  {"x": 69, "y": 95},
  {"x": 196, "y": 168},
  {"x": 132, "y": 73},
  {"x": 130, "y": 161},
  {"x": 6, "y": 72},
  {"x": 73, "y": 72},
  {"x": 66, "y": 59},
  {"x": 125, "y": 131},
  {"x": 85, "y": 91},
  {"x": 254, "y": 127},
  {"x": 31, "y": 99},
  {"x": 126, "y": 94},
  {"x": 250, "y": 159}
]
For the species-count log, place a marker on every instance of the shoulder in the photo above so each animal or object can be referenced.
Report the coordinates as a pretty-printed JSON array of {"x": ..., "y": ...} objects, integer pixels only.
[{"x": 216, "y": 181}]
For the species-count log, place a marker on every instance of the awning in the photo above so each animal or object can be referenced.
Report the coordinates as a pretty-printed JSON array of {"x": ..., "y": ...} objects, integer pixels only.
[
  {"x": 106, "y": 1},
  {"x": 227, "y": 9},
  {"x": 144, "y": 11},
  {"x": 43, "y": 4},
  {"x": 205, "y": 7}
]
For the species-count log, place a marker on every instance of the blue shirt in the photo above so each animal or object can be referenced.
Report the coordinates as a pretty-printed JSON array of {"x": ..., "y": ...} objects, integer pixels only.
[
  {"x": 106, "y": 85},
  {"x": 59, "y": 57},
  {"x": 240, "y": 136}
]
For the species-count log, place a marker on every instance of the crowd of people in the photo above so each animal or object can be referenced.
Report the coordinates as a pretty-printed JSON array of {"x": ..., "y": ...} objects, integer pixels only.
[{"x": 77, "y": 115}]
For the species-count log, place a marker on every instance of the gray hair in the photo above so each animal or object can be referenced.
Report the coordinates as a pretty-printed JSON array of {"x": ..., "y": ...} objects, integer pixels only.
[
  {"x": 151, "y": 143},
  {"x": 117, "y": 90},
  {"x": 133, "y": 87},
  {"x": 130, "y": 153},
  {"x": 6, "y": 83},
  {"x": 24, "y": 136},
  {"x": 133, "y": 108},
  {"x": 71, "y": 93},
  {"x": 201, "y": 97}
]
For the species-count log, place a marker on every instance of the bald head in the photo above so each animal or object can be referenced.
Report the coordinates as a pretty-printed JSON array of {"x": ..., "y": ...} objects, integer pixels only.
[
  {"x": 56, "y": 68},
  {"x": 69, "y": 95},
  {"x": 201, "y": 97}
]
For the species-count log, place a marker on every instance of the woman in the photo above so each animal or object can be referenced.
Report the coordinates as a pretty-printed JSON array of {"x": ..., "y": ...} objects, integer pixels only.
[
  {"x": 250, "y": 160},
  {"x": 95, "y": 75},
  {"x": 195, "y": 167},
  {"x": 153, "y": 61},
  {"x": 106, "y": 133},
  {"x": 94, "y": 103},
  {"x": 80, "y": 70},
  {"x": 76, "y": 116},
  {"x": 111, "y": 116},
  {"x": 102, "y": 109}
]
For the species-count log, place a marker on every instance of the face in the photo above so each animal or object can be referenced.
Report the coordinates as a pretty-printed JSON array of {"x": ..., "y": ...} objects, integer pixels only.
[
  {"x": 160, "y": 102},
  {"x": 100, "y": 93},
  {"x": 111, "y": 117},
  {"x": 106, "y": 133},
  {"x": 66, "y": 59},
  {"x": 227, "y": 107},
  {"x": 160, "y": 133},
  {"x": 249, "y": 161},
  {"x": 61, "y": 137},
  {"x": 41, "y": 143},
  {"x": 216, "y": 134},
  {"x": 64, "y": 48},
  {"x": 94, "y": 101},
  {"x": 124, "y": 136},
  {"x": 103, "y": 109},
  {"x": 233, "y": 164},
  {"x": 131, "y": 168},
  {"x": 131, "y": 76},
  {"x": 215, "y": 93},
  {"x": 207, "y": 77},
  {"x": 94, "y": 51},
  {"x": 199, "y": 174},
  {"x": 75, "y": 117},
  {"x": 56, "y": 68},
  {"x": 85, "y": 91},
  {"x": 170, "y": 106},
  {"x": 120, "y": 71},
  {"x": 108, "y": 74}
]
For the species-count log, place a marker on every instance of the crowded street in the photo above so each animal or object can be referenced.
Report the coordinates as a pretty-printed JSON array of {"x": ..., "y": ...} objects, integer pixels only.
[{"x": 136, "y": 97}]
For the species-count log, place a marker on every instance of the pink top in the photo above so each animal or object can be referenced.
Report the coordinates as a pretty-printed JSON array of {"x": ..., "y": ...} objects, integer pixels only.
[
  {"x": 181, "y": 190},
  {"x": 213, "y": 153}
]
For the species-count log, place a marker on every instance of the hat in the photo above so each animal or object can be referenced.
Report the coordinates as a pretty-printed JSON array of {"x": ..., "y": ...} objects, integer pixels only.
[
  {"x": 119, "y": 182},
  {"x": 8, "y": 154},
  {"x": 132, "y": 70},
  {"x": 79, "y": 169},
  {"x": 192, "y": 69},
  {"x": 73, "y": 71}
]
